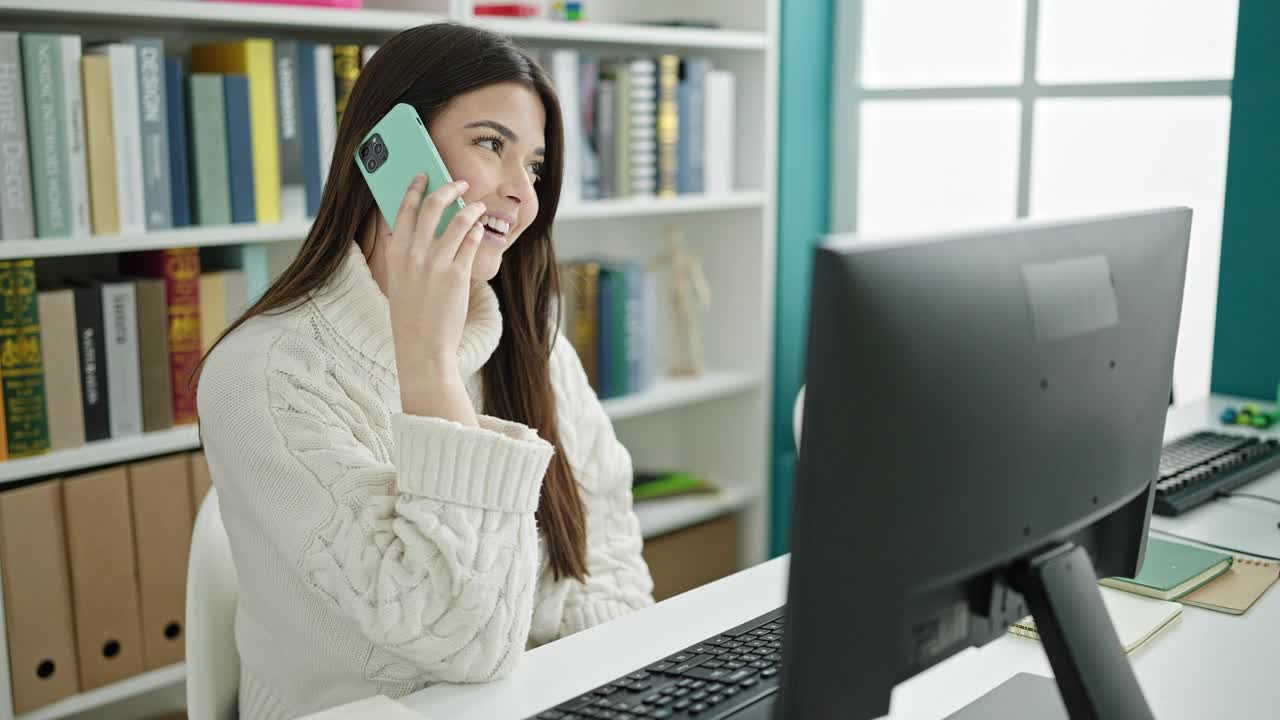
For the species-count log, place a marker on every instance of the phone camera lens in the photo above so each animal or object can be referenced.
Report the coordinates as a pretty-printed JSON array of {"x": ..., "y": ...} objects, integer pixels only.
[
  {"x": 379, "y": 148},
  {"x": 364, "y": 151}
]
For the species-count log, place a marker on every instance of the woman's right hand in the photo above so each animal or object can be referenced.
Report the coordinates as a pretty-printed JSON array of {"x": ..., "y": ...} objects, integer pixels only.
[{"x": 428, "y": 288}]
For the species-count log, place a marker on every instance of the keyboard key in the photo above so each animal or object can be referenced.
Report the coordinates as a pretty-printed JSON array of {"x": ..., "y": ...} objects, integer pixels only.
[
  {"x": 681, "y": 693},
  {"x": 697, "y": 709},
  {"x": 652, "y": 698},
  {"x": 715, "y": 687},
  {"x": 684, "y": 667},
  {"x": 551, "y": 715},
  {"x": 660, "y": 714},
  {"x": 681, "y": 705},
  {"x": 661, "y": 667},
  {"x": 719, "y": 640},
  {"x": 708, "y": 673},
  {"x": 697, "y": 685},
  {"x": 677, "y": 659},
  {"x": 639, "y": 686},
  {"x": 715, "y": 700},
  {"x": 749, "y": 682},
  {"x": 712, "y": 664},
  {"x": 642, "y": 675},
  {"x": 664, "y": 700},
  {"x": 685, "y": 683},
  {"x": 738, "y": 676},
  {"x": 769, "y": 673},
  {"x": 700, "y": 695}
]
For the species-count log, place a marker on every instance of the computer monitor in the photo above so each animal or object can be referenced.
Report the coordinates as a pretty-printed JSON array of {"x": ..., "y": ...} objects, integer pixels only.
[{"x": 982, "y": 430}]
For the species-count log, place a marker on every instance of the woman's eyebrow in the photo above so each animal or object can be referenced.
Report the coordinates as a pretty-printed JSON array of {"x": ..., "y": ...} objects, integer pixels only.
[{"x": 504, "y": 131}]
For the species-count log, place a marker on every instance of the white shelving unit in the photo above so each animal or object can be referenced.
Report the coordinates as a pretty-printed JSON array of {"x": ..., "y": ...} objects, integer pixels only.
[
  {"x": 717, "y": 424},
  {"x": 87, "y": 702}
]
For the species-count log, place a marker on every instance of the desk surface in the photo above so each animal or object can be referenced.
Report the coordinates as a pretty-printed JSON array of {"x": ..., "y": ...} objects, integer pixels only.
[{"x": 1207, "y": 665}]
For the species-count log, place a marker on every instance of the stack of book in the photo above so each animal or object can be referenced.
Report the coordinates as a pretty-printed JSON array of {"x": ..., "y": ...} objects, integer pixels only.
[
  {"x": 117, "y": 138},
  {"x": 107, "y": 356},
  {"x": 643, "y": 126},
  {"x": 609, "y": 312}
]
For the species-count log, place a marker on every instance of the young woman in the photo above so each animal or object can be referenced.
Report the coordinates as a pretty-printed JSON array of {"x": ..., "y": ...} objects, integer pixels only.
[{"x": 416, "y": 478}]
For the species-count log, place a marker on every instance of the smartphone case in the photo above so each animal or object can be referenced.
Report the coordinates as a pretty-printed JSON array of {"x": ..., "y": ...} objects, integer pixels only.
[{"x": 408, "y": 151}]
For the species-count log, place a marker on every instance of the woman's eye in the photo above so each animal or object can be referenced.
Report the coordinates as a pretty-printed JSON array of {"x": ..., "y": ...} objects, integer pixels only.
[
  {"x": 488, "y": 143},
  {"x": 535, "y": 171}
]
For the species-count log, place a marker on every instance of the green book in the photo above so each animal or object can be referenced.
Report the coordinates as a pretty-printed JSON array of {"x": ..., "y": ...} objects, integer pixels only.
[
  {"x": 647, "y": 486},
  {"x": 47, "y": 133},
  {"x": 21, "y": 362},
  {"x": 210, "y": 181},
  {"x": 1171, "y": 570}
]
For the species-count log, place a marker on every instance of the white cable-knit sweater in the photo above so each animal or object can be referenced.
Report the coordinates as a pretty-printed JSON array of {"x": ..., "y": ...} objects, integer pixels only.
[{"x": 379, "y": 552}]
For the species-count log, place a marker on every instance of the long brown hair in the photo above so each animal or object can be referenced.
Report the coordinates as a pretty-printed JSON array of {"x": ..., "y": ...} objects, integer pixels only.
[{"x": 427, "y": 67}]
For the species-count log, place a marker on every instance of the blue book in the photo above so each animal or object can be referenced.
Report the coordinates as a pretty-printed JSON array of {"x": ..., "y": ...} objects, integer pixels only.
[
  {"x": 179, "y": 172},
  {"x": 607, "y": 333},
  {"x": 239, "y": 148},
  {"x": 309, "y": 122},
  {"x": 691, "y": 104},
  {"x": 634, "y": 330}
]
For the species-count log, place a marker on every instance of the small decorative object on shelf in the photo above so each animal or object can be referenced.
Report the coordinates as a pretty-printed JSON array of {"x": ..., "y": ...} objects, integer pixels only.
[
  {"x": 505, "y": 9},
  {"x": 566, "y": 11},
  {"x": 689, "y": 286}
]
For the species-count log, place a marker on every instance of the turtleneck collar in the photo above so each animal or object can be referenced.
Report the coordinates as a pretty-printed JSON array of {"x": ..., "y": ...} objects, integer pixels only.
[{"x": 354, "y": 305}]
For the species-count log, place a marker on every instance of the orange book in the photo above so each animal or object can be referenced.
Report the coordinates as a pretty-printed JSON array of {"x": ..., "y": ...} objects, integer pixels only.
[
  {"x": 4, "y": 435},
  {"x": 180, "y": 268}
]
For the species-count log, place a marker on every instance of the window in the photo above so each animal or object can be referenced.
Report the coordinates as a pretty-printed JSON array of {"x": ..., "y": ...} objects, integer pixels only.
[{"x": 943, "y": 119}]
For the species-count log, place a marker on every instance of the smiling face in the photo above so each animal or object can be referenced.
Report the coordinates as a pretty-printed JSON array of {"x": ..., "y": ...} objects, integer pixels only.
[{"x": 493, "y": 139}]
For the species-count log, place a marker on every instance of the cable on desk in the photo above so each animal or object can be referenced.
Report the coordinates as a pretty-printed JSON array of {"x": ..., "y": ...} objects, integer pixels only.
[{"x": 1251, "y": 496}]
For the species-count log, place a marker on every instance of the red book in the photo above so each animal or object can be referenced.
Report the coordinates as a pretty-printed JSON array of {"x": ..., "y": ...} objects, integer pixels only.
[
  {"x": 180, "y": 268},
  {"x": 507, "y": 9}
]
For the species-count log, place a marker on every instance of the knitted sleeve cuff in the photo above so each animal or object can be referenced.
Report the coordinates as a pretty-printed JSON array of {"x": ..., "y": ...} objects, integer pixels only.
[{"x": 498, "y": 466}]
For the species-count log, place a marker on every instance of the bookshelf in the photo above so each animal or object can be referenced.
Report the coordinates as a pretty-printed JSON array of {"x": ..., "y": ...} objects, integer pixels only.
[{"x": 717, "y": 424}]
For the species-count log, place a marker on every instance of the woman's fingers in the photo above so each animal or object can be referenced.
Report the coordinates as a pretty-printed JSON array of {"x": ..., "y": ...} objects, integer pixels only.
[
  {"x": 465, "y": 221},
  {"x": 467, "y": 251},
  {"x": 408, "y": 212},
  {"x": 432, "y": 210}
]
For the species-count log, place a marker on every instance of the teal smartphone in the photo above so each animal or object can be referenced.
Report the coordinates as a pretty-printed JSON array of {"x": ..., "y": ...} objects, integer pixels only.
[{"x": 392, "y": 153}]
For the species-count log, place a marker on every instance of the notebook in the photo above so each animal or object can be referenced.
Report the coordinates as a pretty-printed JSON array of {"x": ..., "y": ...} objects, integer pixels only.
[
  {"x": 1136, "y": 619},
  {"x": 1171, "y": 570},
  {"x": 1236, "y": 590}
]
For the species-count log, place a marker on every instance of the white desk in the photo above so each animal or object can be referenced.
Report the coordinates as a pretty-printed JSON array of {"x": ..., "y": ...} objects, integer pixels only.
[{"x": 1207, "y": 665}]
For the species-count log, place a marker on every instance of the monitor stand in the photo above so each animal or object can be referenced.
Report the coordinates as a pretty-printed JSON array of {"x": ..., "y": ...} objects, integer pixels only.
[{"x": 1093, "y": 673}]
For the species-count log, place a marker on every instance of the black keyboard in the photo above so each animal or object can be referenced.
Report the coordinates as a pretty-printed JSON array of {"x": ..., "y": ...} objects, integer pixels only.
[
  {"x": 708, "y": 680},
  {"x": 1196, "y": 468}
]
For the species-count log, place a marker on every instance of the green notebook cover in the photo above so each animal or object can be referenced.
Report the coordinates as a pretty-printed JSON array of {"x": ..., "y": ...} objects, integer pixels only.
[
  {"x": 1171, "y": 570},
  {"x": 25, "y": 415}
]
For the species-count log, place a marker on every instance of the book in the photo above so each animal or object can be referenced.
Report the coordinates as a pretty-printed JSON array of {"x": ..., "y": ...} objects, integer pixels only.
[
  {"x": 253, "y": 58},
  {"x": 47, "y": 136},
  {"x": 153, "y": 132},
  {"x": 73, "y": 109},
  {"x": 718, "y": 132},
  {"x": 130, "y": 193},
  {"x": 21, "y": 361},
  {"x": 293, "y": 200},
  {"x": 633, "y": 331},
  {"x": 1237, "y": 589},
  {"x": 606, "y": 102},
  {"x": 1171, "y": 570},
  {"x": 346, "y": 68},
  {"x": 650, "y": 485},
  {"x": 100, "y": 142},
  {"x": 120, "y": 332},
  {"x": 175, "y": 89},
  {"x": 1136, "y": 619},
  {"x": 668, "y": 122},
  {"x": 180, "y": 269},
  {"x": 621, "y": 129},
  {"x": 207, "y": 120},
  {"x": 564, "y": 76},
  {"x": 611, "y": 337},
  {"x": 588, "y": 95},
  {"x": 91, "y": 344},
  {"x": 61, "y": 364},
  {"x": 153, "y": 354},
  {"x": 581, "y": 317},
  {"x": 17, "y": 217},
  {"x": 644, "y": 126},
  {"x": 240, "y": 149},
  {"x": 326, "y": 109},
  {"x": 691, "y": 100},
  {"x": 309, "y": 129},
  {"x": 213, "y": 308}
]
